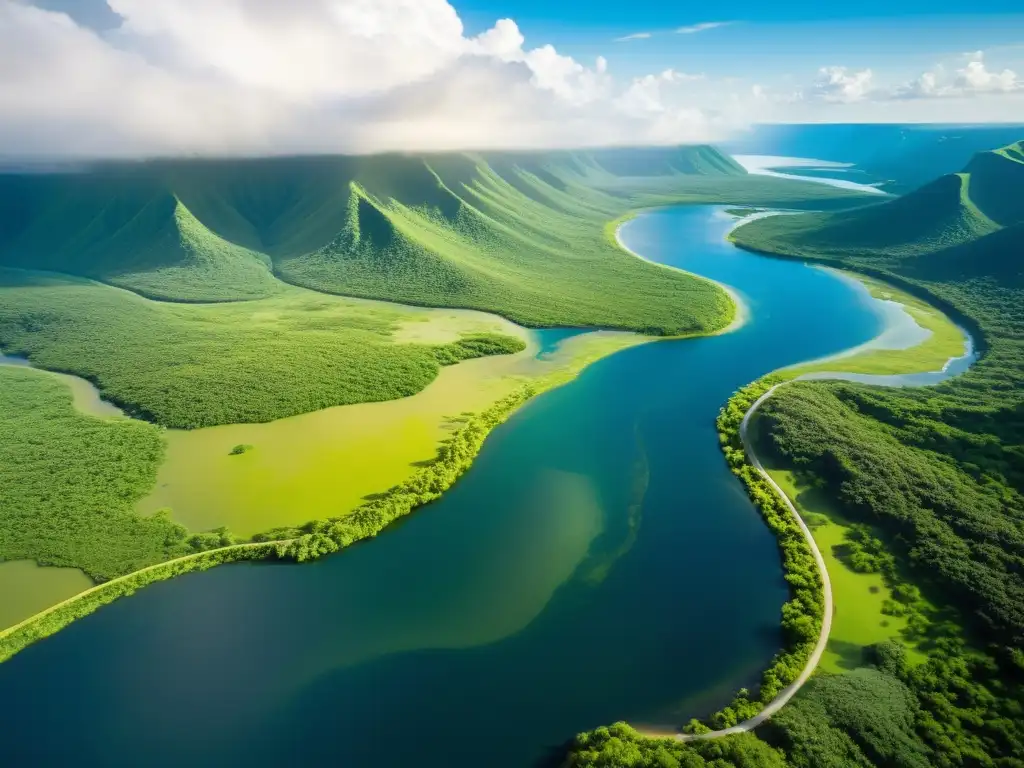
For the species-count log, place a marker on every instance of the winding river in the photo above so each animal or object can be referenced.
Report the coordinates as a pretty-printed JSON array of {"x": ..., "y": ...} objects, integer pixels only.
[{"x": 598, "y": 562}]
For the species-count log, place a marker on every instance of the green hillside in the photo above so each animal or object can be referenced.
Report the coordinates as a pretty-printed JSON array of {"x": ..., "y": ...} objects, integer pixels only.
[
  {"x": 954, "y": 209},
  {"x": 997, "y": 257},
  {"x": 936, "y": 472},
  {"x": 125, "y": 230},
  {"x": 511, "y": 233},
  {"x": 996, "y": 180}
]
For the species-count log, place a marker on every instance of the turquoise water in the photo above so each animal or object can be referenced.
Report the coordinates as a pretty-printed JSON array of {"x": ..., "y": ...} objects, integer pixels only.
[{"x": 597, "y": 563}]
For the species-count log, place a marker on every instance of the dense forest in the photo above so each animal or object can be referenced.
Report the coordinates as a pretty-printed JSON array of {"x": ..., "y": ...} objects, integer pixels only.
[
  {"x": 69, "y": 483},
  {"x": 189, "y": 365}
]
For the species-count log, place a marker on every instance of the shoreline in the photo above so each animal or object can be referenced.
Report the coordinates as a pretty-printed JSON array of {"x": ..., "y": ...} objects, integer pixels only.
[
  {"x": 741, "y": 309},
  {"x": 298, "y": 545},
  {"x": 751, "y": 462}
]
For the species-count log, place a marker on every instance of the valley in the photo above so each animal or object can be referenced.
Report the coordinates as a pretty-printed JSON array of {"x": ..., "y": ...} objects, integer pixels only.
[{"x": 268, "y": 417}]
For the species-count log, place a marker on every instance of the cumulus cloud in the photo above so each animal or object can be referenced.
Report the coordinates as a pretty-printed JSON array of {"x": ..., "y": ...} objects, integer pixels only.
[
  {"x": 262, "y": 76},
  {"x": 972, "y": 79},
  {"x": 841, "y": 85},
  {"x": 702, "y": 27}
]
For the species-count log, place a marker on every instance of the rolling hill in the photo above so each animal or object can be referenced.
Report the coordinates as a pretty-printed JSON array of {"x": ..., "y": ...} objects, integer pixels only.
[
  {"x": 505, "y": 232},
  {"x": 951, "y": 213}
]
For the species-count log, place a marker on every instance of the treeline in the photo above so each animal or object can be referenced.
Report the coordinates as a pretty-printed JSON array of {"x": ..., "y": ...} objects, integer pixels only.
[
  {"x": 43, "y": 625},
  {"x": 619, "y": 746},
  {"x": 69, "y": 484},
  {"x": 324, "y": 537},
  {"x": 950, "y": 711},
  {"x": 193, "y": 366},
  {"x": 478, "y": 345},
  {"x": 802, "y": 614},
  {"x": 314, "y": 540}
]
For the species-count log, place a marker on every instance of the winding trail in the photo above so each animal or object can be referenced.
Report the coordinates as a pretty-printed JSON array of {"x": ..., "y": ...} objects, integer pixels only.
[{"x": 826, "y": 620}]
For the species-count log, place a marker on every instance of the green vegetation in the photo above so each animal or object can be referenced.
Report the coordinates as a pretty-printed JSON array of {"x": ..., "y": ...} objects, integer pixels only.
[
  {"x": 69, "y": 482},
  {"x": 937, "y": 473},
  {"x": 505, "y": 232},
  {"x": 191, "y": 366},
  {"x": 952, "y": 710},
  {"x": 945, "y": 342},
  {"x": 164, "y": 283},
  {"x": 51, "y": 621},
  {"x": 323, "y": 537},
  {"x": 619, "y": 746},
  {"x": 802, "y": 615},
  {"x": 29, "y": 588},
  {"x": 239, "y": 449},
  {"x": 315, "y": 540},
  {"x": 864, "y": 613}
]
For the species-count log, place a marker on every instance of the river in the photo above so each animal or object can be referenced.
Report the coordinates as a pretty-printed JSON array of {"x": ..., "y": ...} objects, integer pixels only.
[{"x": 598, "y": 562}]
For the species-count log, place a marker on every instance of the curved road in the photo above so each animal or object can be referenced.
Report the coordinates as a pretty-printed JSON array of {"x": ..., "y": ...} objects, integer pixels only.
[{"x": 826, "y": 620}]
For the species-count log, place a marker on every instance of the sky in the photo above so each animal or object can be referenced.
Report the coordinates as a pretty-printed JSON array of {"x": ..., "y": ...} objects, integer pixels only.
[{"x": 140, "y": 78}]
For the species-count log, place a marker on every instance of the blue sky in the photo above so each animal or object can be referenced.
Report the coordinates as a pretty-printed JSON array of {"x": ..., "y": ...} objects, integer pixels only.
[{"x": 770, "y": 39}]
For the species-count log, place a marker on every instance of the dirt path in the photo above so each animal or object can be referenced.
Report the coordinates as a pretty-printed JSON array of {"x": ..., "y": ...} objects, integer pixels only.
[{"x": 826, "y": 621}]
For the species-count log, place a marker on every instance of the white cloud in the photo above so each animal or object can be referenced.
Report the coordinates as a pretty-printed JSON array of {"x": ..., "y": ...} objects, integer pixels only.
[
  {"x": 262, "y": 76},
  {"x": 975, "y": 78},
  {"x": 702, "y": 27},
  {"x": 634, "y": 36},
  {"x": 842, "y": 85},
  {"x": 971, "y": 79}
]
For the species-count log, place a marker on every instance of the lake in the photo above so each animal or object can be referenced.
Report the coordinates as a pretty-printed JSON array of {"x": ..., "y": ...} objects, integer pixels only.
[{"x": 599, "y": 562}]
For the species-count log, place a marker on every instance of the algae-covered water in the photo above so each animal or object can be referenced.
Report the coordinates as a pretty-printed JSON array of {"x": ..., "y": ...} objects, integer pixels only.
[{"x": 598, "y": 562}]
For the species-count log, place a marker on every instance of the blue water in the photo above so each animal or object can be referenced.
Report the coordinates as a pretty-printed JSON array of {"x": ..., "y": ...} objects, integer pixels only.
[
  {"x": 598, "y": 562},
  {"x": 550, "y": 339}
]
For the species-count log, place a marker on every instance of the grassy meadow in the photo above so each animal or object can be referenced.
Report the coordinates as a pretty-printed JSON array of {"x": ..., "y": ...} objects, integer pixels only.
[
  {"x": 860, "y": 598},
  {"x": 28, "y": 588}
]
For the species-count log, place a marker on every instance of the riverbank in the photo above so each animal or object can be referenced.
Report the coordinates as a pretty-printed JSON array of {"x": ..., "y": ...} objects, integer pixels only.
[
  {"x": 898, "y": 352},
  {"x": 207, "y": 487},
  {"x": 740, "y": 307},
  {"x": 325, "y": 536}
]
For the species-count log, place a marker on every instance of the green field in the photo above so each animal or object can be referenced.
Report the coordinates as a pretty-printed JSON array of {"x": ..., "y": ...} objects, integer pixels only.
[
  {"x": 859, "y": 620},
  {"x": 29, "y": 588}
]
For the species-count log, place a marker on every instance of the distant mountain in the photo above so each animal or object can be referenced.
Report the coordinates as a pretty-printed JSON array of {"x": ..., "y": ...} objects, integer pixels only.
[{"x": 964, "y": 222}]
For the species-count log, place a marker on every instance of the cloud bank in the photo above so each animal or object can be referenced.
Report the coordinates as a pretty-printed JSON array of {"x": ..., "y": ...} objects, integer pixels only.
[
  {"x": 842, "y": 85},
  {"x": 262, "y": 77}
]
